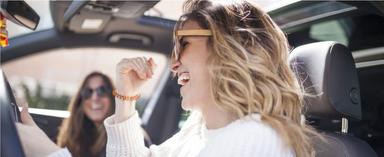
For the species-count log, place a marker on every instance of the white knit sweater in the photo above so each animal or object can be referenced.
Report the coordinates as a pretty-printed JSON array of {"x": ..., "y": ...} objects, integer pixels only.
[{"x": 245, "y": 137}]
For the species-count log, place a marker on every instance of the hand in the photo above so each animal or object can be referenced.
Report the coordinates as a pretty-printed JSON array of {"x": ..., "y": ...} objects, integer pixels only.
[
  {"x": 34, "y": 141},
  {"x": 132, "y": 73}
]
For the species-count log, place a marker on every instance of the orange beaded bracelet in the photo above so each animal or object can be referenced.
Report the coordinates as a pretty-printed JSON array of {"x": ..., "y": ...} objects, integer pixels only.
[{"x": 125, "y": 98}]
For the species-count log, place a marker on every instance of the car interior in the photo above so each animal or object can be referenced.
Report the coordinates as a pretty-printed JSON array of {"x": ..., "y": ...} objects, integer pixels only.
[{"x": 337, "y": 51}]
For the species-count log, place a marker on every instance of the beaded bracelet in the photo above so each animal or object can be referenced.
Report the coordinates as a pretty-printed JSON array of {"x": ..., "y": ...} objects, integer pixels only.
[{"x": 124, "y": 97}]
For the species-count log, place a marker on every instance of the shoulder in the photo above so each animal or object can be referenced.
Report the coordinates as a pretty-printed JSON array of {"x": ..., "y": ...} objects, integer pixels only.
[
  {"x": 251, "y": 136},
  {"x": 252, "y": 126}
]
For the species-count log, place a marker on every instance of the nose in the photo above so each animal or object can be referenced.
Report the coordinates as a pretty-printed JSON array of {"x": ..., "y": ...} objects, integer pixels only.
[
  {"x": 94, "y": 96},
  {"x": 175, "y": 66}
]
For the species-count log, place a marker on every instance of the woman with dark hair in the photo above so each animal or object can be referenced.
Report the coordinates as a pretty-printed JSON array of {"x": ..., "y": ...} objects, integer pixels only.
[{"x": 83, "y": 133}]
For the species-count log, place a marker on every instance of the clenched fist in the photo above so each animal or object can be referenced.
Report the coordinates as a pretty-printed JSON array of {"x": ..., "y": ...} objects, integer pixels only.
[{"x": 132, "y": 73}]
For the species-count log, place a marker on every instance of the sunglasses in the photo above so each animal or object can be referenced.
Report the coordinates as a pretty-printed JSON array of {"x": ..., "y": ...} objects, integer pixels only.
[
  {"x": 180, "y": 34},
  {"x": 101, "y": 91}
]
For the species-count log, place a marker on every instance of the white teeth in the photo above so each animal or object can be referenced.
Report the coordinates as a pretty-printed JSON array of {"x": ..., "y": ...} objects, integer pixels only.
[
  {"x": 96, "y": 106},
  {"x": 183, "y": 79}
]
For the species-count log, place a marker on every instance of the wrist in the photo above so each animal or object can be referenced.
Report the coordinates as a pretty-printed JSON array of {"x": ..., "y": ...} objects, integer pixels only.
[
  {"x": 124, "y": 91},
  {"x": 124, "y": 110},
  {"x": 125, "y": 97}
]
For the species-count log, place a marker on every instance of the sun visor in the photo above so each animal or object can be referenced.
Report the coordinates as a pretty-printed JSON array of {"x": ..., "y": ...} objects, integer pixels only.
[{"x": 92, "y": 16}]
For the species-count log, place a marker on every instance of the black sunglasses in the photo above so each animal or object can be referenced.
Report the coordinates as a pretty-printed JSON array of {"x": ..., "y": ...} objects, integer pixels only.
[{"x": 101, "y": 91}]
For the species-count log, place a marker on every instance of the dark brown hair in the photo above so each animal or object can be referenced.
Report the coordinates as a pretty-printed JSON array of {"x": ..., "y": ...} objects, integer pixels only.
[{"x": 78, "y": 133}]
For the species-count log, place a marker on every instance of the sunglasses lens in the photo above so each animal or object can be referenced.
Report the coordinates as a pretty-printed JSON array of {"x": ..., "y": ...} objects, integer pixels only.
[
  {"x": 86, "y": 93},
  {"x": 101, "y": 91}
]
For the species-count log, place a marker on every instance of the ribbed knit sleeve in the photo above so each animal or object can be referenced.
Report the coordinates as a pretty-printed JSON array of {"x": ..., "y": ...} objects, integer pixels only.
[{"x": 125, "y": 139}]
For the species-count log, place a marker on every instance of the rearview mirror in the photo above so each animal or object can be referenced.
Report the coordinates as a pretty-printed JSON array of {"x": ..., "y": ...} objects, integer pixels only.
[{"x": 20, "y": 13}]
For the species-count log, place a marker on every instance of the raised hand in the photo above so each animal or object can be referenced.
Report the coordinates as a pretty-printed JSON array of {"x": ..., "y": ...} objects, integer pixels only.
[{"x": 131, "y": 74}]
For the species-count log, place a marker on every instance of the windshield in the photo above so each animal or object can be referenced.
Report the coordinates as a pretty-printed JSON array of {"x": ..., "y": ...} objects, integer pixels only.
[{"x": 161, "y": 9}]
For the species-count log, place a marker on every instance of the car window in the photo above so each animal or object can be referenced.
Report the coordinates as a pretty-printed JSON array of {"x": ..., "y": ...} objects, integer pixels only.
[
  {"x": 49, "y": 79},
  {"x": 329, "y": 30},
  {"x": 356, "y": 32},
  {"x": 161, "y": 9}
]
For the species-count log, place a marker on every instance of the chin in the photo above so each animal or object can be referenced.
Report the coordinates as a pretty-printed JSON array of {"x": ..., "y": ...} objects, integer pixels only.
[
  {"x": 97, "y": 120},
  {"x": 187, "y": 106}
]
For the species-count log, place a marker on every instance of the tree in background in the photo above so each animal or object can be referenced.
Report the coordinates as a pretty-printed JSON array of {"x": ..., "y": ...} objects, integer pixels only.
[{"x": 36, "y": 99}]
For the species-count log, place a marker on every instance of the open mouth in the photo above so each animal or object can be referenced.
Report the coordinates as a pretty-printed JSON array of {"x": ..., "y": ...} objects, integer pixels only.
[
  {"x": 183, "y": 78},
  {"x": 96, "y": 106}
]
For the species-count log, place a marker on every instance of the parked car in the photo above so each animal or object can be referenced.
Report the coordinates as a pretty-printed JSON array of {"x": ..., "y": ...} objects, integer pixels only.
[{"x": 46, "y": 66}]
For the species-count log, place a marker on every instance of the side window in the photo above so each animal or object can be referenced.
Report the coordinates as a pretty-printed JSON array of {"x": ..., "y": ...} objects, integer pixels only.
[
  {"x": 356, "y": 32},
  {"x": 329, "y": 30},
  {"x": 48, "y": 80},
  {"x": 332, "y": 30}
]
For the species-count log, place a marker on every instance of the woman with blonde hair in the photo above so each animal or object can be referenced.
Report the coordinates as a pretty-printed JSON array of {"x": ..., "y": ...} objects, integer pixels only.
[{"x": 231, "y": 61}]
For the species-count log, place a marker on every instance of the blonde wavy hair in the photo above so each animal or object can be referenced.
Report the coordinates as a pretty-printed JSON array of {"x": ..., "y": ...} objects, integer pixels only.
[{"x": 249, "y": 69}]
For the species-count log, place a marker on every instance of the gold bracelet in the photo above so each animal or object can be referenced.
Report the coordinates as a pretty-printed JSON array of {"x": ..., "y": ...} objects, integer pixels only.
[{"x": 124, "y": 97}]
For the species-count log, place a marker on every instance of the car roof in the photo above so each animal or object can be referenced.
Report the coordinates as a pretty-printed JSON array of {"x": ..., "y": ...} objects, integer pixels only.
[{"x": 146, "y": 32}]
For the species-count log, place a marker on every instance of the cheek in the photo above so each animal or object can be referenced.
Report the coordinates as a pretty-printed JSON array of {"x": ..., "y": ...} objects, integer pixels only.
[
  {"x": 198, "y": 90},
  {"x": 86, "y": 105},
  {"x": 87, "y": 109},
  {"x": 201, "y": 86},
  {"x": 107, "y": 103}
]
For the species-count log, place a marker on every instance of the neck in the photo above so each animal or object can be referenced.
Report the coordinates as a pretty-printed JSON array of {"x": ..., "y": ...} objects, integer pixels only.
[
  {"x": 97, "y": 124},
  {"x": 217, "y": 118}
]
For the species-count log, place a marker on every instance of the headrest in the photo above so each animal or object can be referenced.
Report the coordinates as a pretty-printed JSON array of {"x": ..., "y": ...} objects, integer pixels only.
[{"x": 328, "y": 74}]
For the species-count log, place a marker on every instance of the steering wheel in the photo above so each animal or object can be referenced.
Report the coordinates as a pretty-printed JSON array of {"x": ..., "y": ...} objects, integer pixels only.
[
  {"x": 9, "y": 114},
  {"x": 15, "y": 113}
]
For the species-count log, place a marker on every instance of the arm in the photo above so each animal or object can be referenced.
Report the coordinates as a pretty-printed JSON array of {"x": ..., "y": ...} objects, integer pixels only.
[
  {"x": 125, "y": 137},
  {"x": 30, "y": 134}
]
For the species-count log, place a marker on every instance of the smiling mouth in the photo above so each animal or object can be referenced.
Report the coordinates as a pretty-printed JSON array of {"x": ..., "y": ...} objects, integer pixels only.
[
  {"x": 183, "y": 78},
  {"x": 96, "y": 106}
]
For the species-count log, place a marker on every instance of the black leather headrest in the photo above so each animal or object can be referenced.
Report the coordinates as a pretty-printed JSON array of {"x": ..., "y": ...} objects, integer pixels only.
[{"x": 328, "y": 74}]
